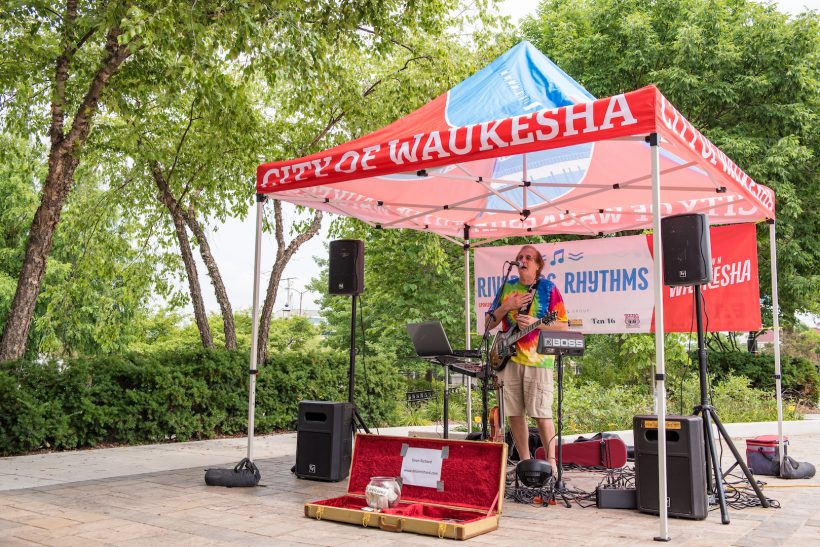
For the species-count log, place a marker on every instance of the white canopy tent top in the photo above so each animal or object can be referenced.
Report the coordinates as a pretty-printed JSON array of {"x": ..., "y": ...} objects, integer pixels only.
[{"x": 520, "y": 148}]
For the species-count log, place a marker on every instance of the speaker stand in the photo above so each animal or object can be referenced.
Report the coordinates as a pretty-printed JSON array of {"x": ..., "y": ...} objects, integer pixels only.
[
  {"x": 358, "y": 422},
  {"x": 709, "y": 415}
]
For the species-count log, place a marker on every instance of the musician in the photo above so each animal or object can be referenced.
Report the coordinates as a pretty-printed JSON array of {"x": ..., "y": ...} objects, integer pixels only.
[{"x": 528, "y": 387}]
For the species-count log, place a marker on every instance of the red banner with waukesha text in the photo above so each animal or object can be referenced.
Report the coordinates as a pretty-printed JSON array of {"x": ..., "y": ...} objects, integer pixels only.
[{"x": 731, "y": 302}]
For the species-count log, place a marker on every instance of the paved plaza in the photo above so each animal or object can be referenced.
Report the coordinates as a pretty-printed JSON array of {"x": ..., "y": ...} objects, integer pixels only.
[{"x": 156, "y": 495}]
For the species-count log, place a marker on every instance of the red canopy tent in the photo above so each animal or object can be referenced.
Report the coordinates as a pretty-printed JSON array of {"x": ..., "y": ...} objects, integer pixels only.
[{"x": 520, "y": 148}]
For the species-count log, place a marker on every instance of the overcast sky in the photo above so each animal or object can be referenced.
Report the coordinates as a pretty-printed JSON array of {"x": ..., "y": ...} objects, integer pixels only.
[{"x": 233, "y": 243}]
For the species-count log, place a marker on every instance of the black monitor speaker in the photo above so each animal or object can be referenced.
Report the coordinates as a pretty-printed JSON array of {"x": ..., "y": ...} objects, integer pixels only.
[
  {"x": 687, "y": 254},
  {"x": 346, "y": 267},
  {"x": 685, "y": 466},
  {"x": 324, "y": 440}
]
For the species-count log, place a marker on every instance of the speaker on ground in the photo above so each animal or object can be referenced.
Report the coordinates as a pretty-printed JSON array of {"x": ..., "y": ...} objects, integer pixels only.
[
  {"x": 346, "y": 267},
  {"x": 685, "y": 466},
  {"x": 687, "y": 253},
  {"x": 324, "y": 440}
]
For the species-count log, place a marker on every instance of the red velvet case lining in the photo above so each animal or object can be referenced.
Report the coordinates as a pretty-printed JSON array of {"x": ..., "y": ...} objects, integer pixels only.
[{"x": 471, "y": 473}]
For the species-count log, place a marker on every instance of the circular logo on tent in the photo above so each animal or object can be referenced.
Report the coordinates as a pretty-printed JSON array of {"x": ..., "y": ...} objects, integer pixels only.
[{"x": 565, "y": 166}]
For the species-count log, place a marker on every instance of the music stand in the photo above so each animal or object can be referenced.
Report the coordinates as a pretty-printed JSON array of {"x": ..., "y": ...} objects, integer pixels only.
[{"x": 560, "y": 343}]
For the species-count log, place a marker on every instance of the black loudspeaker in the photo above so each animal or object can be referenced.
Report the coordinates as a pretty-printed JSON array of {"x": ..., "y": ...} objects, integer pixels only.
[
  {"x": 324, "y": 440},
  {"x": 687, "y": 254},
  {"x": 685, "y": 466},
  {"x": 346, "y": 268}
]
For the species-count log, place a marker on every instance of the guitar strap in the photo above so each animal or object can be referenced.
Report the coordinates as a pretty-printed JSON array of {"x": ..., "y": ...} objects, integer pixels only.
[{"x": 526, "y": 309}]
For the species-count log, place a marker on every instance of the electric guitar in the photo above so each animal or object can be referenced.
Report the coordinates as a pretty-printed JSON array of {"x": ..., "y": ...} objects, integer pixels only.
[
  {"x": 503, "y": 347},
  {"x": 496, "y": 416}
]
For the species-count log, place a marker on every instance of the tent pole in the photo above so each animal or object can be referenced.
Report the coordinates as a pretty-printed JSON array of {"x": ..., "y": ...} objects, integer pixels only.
[
  {"x": 257, "y": 259},
  {"x": 660, "y": 368},
  {"x": 467, "y": 325},
  {"x": 776, "y": 327}
]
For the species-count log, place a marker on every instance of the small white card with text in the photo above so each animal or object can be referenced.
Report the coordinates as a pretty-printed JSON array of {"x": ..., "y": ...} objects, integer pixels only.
[{"x": 421, "y": 467}]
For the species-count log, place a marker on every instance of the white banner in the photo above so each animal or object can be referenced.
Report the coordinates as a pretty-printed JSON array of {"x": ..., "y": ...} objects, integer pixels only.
[{"x": 606, "y": 283}]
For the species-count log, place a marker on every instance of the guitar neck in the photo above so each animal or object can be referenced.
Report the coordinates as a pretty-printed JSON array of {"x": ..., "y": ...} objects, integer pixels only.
[{"x": 522, "y": 333}]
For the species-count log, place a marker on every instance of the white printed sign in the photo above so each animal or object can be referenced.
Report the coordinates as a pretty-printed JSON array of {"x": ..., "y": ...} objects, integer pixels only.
[{"x": 421, "y": 467}]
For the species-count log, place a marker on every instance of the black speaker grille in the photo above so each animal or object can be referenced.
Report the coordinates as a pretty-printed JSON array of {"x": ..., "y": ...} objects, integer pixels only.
[
  {"x": 346, "y": 267},
  {"x": 324, "y": 440},
  {"x": 687, "y": 253},
  {"x": 685, "y": 466},
  {"x": 314, "y": 455}
]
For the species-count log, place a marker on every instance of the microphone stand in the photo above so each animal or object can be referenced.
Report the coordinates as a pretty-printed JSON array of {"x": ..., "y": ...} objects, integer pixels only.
[{"x": 485, "y": 343}]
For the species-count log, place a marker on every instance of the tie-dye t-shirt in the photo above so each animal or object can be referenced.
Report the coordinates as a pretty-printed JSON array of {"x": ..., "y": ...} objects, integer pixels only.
[{"x": 546, "y": 299}]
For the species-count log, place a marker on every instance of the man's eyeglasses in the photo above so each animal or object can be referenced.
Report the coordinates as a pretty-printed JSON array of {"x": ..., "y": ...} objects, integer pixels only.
[{"x": 519, "y": 258}]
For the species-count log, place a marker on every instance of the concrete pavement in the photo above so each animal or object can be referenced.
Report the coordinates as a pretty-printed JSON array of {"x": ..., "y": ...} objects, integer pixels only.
[{"x": 156, "y": 495}]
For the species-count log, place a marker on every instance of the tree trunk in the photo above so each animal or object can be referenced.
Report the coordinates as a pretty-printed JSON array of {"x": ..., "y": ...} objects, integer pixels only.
[
  {"x": 38, "y": 247},
  {"x": 283, "y": 256},
  {"x": 63, "y": 159},
  {"x": 216, "y": 278},
  {"x": 187, "y": 255}
]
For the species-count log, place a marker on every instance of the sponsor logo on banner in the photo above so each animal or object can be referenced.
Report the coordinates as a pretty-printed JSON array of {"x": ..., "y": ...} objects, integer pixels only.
[
  {"x": 632, "y": 320},
  {"x": 604, "y": 321}
]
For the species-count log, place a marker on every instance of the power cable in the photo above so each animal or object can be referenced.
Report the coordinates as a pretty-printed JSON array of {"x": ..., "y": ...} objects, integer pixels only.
[{"x": 364, "y": 357}]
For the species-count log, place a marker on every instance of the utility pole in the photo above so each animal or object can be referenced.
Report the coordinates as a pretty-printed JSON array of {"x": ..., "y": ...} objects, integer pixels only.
[
  {"x": 288, "y": 287},
  {"x": 301, "y": 294}
]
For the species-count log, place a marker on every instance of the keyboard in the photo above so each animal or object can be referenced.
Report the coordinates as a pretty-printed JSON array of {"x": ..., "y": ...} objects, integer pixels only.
[
  {"x": 471, "y": 353},
  {"x": 476, "y": 370}
]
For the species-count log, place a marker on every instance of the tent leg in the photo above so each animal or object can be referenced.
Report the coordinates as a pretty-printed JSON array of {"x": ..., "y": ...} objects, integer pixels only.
[
  {"x": 467, "y": 325},
  {"x": 776, "y": 327},
  {"x": 660, "y": 368},
  {"x": 257, "y": 258}
]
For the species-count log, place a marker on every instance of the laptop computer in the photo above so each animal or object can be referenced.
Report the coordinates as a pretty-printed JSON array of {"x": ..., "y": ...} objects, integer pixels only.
[{"x": 430, "y": 340}]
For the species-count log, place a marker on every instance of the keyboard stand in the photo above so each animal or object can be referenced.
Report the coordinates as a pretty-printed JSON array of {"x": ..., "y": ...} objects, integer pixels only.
[
  {"x": 442, "y": 360},
  {"x": 461, "y": 365}
]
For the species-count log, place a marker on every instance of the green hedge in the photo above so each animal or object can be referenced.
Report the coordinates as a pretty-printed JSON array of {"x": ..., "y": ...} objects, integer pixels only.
[
  {"x": 182, "y": 395},
  {"x": 589, "y": 407},
  {"x": 798, "y": 375}
]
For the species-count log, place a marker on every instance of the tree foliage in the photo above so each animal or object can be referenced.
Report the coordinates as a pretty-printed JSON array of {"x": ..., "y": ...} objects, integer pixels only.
[
  {"x": 98, "y": 280},
  {"x": 744, "y": 74},
  {"x": 409, "y": 277},
  {"x": 197, "y": 93}
]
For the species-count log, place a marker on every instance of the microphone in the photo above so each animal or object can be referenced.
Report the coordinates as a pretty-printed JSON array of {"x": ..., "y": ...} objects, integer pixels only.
[{"x": 514, "y": 263}]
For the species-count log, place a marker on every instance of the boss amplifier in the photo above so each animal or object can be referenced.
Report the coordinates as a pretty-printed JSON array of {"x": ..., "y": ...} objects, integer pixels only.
[{"x": 553, "y": 342}]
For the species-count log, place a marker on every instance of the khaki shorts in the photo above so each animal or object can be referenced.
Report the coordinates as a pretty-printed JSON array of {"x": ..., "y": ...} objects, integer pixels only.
[{"x": 527, "y": 388}]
